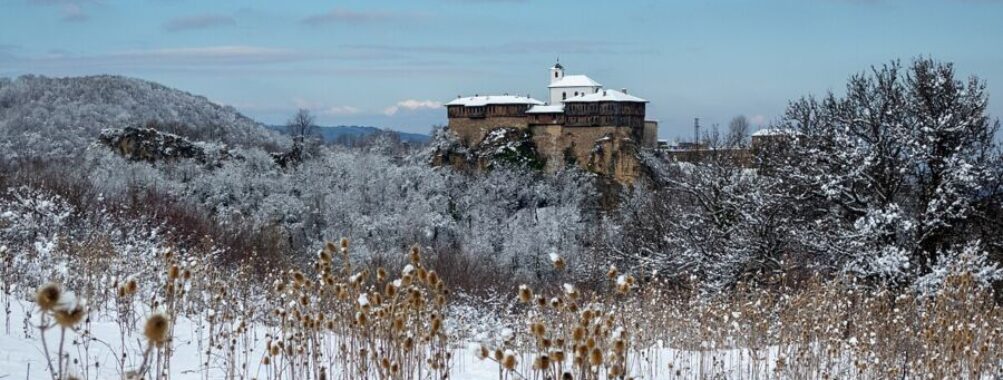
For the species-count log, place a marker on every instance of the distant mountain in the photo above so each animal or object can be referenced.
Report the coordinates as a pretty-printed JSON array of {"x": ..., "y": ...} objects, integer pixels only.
[
  {"x": 49, "y": 117},
  {"x": 345, "y": 133}
]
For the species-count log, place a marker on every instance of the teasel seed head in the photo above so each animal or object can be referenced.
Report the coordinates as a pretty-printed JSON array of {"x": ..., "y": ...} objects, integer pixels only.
[
  {"x": 415, "y": 255},
  {"x": 390, "y": 290},
  {"x": 409, "y": 344},
  {"x": 557, "y": 261},
  {"x": 558, "y": 356},
  {"x": 433, "y": 278},
  {"x": 440, "y": 300},
  {"x": 619, "y": 346},
  {"x": 595, "y": 357},
  {"x": 525, "y": 294},
  {"x": 578, "y": 334},
  {"x": 47, "y": 296},
  {"x": 481, "y": 352},
  {"x": 612, "y": 272},
  {"x": 436, "y": 325},
  {"x": 509, "y": 362},
  {"x": 69, "y": 317},
  {"x": 156, "y": 328},
  {"x": 537, "y": 329},
  {"x": 615, "y": 371},
  {"x": 422, "y": 275},
  {"x": 173, "y": 272}
]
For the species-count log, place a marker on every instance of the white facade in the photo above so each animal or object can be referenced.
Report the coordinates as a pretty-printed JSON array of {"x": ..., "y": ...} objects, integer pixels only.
[{"x": 563, "y": 87}]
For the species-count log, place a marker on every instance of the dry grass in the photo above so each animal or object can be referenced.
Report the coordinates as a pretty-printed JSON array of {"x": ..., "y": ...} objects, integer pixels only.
[
  {"x": 337, "y": 320},
  {"x": 810, "y": 330}
]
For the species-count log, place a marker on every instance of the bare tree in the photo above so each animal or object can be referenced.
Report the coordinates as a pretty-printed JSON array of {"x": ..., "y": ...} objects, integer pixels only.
[
  {"x": 738, "y": 131},
  {"x": 302, "y": 124}
]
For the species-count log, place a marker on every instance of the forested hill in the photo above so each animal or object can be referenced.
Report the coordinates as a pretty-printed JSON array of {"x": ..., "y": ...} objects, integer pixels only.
[{"x": 53, "y": 117}]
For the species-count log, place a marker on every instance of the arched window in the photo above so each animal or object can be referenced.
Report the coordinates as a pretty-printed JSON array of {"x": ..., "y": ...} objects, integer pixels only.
[
  {"x": 564, "y": 95},
  {"x": 555, "y": 74},
  {"x": 576, "y": 93}
]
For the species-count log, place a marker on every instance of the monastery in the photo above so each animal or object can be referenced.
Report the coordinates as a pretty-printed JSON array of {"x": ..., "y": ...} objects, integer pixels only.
[{"x": 583, "y": 123}]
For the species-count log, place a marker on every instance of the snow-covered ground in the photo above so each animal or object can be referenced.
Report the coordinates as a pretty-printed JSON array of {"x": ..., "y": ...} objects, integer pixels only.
[{"x": 22, "y": 357}]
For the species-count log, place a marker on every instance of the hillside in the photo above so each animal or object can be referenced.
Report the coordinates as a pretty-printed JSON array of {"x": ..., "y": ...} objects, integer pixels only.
[
  {"x": 53, "y": 117},
  {"x": 348, "y": 133}
]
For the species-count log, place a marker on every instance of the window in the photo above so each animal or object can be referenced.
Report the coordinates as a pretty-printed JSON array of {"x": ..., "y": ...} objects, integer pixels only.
[
  {"x": 564, "y": 95},
  {"x": 555, "y": 74},
  {"x": 576, "y": 93}
]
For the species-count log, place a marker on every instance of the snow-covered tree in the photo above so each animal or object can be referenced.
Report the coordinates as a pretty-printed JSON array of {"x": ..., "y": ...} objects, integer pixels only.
[{"x": 894, "y": 167}]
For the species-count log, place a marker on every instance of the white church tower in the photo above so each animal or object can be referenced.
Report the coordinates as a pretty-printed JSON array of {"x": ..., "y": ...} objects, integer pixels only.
[
  {"x": 563, "y": 87},
  {"x": 556, "y": 72}
]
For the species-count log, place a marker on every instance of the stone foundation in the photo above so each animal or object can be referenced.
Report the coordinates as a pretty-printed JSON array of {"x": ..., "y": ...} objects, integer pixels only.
[{"x": 605, "y": 150}]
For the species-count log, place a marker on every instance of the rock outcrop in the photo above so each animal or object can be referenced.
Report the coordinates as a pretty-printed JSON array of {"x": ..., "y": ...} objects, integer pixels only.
[
  {"x": 153, "y": 146},
  {"x": 500, "y": 146}
]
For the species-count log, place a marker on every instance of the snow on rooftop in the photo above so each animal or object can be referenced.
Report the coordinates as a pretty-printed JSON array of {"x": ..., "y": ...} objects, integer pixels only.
[
  {"x": 776, "y": 132},
  {"x": 575, "y": 81},
  {"x": 476, "y": 101},
  {"x": 605, "y": 96},
  {"x": 556, "y": 108}
]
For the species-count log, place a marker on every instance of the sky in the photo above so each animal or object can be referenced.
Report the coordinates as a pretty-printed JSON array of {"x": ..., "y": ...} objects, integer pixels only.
[{"x": 392, "y": 64}]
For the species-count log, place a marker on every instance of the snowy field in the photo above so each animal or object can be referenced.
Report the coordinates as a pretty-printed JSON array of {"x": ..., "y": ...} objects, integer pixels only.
[{"x": 22, "y": 356}]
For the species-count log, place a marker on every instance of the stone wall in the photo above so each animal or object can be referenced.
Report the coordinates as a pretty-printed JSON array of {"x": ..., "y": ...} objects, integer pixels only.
[
  {"x": 650, "y": 139},
  {"x": 472, "y": 130},
  {"x": 606, "y": 150}
]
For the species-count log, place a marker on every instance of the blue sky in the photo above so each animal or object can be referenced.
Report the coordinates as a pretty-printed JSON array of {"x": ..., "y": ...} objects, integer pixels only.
[{"x": 392, "y": 63}]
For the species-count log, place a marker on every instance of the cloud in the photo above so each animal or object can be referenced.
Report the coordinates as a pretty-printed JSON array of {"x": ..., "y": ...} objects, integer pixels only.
[
  {"x": 411, "y": 105},
  {"x": 203, "y": 21},
  {"x": 211, "y": 54},
  {"x": 348, "y": 16},
  {"x": 230, "y": 56},
  {"x": 69, "y": 10},
  {"x": 324, "y": 109},
  {"x": 340, "y": 110},
  {"x": 73, "y": 13}
]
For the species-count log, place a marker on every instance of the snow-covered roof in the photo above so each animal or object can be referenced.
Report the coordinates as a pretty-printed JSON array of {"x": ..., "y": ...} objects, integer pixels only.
[
  {"x": 474, "y": 101},
  {"x": 575, "y": 81},
  {"x": 605, "y": 96},
  {"x": 556, "y": 108},
  {"x": 776, "y": 132}
]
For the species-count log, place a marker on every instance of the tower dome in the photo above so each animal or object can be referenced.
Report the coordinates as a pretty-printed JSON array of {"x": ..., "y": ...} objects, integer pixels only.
[{"x": 556, "y": 72}]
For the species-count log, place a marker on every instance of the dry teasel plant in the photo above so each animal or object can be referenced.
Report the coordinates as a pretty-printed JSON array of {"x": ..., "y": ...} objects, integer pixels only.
[
  {"x": 572, "y": 334},
  {"x": 358, "y": 322},
  {"x": 58, "y": 309}
]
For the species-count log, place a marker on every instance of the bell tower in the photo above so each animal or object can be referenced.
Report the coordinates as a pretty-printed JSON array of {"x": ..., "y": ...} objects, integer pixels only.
[{"x": 556, "y": 72}]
